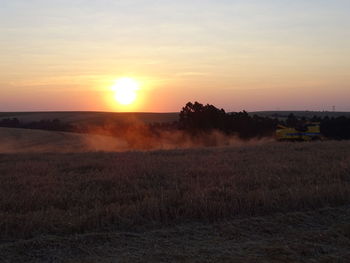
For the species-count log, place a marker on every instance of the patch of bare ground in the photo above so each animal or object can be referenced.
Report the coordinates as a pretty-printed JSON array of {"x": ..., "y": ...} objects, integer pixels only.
[{"x": 275, "y": 202}]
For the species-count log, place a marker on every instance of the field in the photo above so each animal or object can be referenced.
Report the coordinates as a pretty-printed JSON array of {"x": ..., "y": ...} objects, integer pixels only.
[
  {"x": 270, "y": 202},
  {"x": 92, "y": 118},
  {"x": 100, "y": 118},
  {"x": 38, "y": 141},
  {"x": 27, "y": 140}
]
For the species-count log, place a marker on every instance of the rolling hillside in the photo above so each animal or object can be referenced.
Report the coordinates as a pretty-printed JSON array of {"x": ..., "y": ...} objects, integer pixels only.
[
  {"x": 308, "y": 114},
  {"x": 92, "y": 118},
  {"x": 26, "y": 140},
  {"x": 99, "y": 118}
]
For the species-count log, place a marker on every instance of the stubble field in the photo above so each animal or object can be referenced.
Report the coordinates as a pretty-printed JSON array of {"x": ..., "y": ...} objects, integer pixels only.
[{"x": 274, "y": 202}]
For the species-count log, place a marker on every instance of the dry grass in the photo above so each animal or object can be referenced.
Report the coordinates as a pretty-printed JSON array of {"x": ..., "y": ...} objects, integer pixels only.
[
  {"x": 78, "y": 193},
  {"x": 314, "y": 236}
]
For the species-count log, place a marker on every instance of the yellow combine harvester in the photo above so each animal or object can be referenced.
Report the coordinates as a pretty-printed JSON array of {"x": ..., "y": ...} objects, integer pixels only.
[{"x": 307, "y": 132}]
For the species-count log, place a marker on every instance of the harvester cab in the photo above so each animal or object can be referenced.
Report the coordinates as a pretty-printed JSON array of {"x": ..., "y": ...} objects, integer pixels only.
[{"x": 308, "y": 131}]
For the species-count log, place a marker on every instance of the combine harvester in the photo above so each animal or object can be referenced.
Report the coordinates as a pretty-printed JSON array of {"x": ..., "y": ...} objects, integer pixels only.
[{"x": 309, "y": 131}]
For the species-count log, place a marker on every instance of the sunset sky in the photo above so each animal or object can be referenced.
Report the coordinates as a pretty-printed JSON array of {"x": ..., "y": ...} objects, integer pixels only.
[{"x": 235, "y": 54}]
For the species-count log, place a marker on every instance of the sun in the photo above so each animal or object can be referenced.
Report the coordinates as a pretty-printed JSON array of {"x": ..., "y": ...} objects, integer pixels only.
[{"x": 126, "y": 90}]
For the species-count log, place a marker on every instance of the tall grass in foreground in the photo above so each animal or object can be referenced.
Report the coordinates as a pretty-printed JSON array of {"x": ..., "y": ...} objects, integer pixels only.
[{"x": 74, "y": 193}]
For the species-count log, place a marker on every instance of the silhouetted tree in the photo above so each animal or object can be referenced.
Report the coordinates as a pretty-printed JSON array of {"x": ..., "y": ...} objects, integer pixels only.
[
  {"x": 198, "y": 117},
  {"x": 336, "y": 128},
  {"x": 10, "y": 123}
]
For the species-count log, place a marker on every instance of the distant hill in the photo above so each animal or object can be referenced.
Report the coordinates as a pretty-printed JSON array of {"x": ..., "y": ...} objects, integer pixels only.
[
  {"x": 100, "y": 118},
  {"x": 310, "y": 114},
  {"x": 92, "y": 118},
  {"x": 26, "y": 140}
]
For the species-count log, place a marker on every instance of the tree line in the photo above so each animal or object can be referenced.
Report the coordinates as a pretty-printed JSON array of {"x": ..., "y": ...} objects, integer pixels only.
[
  {"x": 50, "y": 125},
  {"x": 196, "y": 118}
]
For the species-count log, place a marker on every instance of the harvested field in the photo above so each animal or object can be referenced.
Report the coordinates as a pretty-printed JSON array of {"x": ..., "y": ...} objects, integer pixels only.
[
  {"x": 127, "y": 200},
  {"x": 321, "y": 235}
]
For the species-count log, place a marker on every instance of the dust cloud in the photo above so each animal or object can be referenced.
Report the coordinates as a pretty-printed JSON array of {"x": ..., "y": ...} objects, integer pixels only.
[{"x": 134, "y": 138}]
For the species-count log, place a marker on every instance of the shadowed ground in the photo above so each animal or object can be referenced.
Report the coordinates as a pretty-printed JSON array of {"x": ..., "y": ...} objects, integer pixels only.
[
  {"x": 274, "y": 202},
  {"x": 314, "y": 236}
]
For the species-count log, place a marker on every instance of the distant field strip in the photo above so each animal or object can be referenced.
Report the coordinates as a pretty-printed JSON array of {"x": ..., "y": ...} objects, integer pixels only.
[
  {"x": 77, "y": 193},
  {"x": 92, "y": 118},
  {"x": 28, "y": 141}
]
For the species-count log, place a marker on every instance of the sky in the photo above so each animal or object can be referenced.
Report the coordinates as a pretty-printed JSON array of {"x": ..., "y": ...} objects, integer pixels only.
[{"x": 235, "y": 54}]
